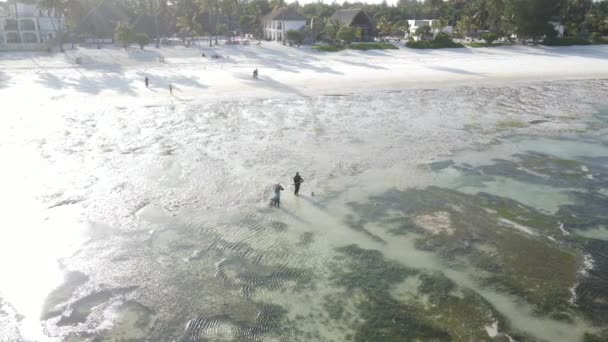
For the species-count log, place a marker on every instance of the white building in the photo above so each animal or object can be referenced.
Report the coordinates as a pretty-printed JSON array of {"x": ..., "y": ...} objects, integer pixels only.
[
  {"x": 278, "y": 22},
  {"x": 26, "y": 27},
  {"x": 558, "y": 27},
  {"x": 414, "y": 24}
]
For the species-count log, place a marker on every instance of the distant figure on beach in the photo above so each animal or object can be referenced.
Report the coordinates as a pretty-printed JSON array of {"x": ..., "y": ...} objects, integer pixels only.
[
  {"x": 255, "y": 74},
  {"x": 170, "y": 88},
  {"x": 147, "y": 81},
  {"x": 203, "y": 55},
  {"x": 297, "y": 180},
  {"x": 276, "y": 201}
]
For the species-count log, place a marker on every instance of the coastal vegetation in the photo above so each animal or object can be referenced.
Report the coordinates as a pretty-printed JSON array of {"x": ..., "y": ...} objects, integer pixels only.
[
  {"x": 442, "y": 40},
  {"x": 355, "y": 46},
  {"x": 529, "y": 21}
]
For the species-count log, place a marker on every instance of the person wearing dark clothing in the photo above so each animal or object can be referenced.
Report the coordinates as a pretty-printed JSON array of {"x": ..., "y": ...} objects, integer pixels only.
[
  {"x": 170, "y": 88},
  {"x": 276, "y": 201},
  {"x": 255, "y": 74},
  {"x": 297, "y": 180},
  {"x": 147, "y": 81}
]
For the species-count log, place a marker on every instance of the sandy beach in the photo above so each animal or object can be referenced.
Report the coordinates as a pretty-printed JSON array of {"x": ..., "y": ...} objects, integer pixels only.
[{"x": 284, "y": 71}]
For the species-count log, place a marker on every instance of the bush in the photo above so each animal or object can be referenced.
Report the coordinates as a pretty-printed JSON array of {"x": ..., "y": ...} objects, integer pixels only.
[
  {"x": 373, "y": 46},
  {"x": 597, "y": 38},
  {"x": 123, "y": 34},
  {"x": 480, "y": 45},
  {"x": 443, "y": 38},
  {"x": 489, "y": 38},
  {"x": 358, "y": 46},
  {"x": 346, "y": 34},
  {"x": 329, "y": 48},
  {"x": 295, "y": 37},
  {"x": 142, "y": 40},
  {"x": 432, "y": 44},
  {"x": 565, "y": 41},
  {"x": 423, "y": 32}
]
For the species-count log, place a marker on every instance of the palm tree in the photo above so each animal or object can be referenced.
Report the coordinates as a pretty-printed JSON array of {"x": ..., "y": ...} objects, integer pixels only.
[
  {"x": 481, "y": 14},
  {"x": 435, "y": 6},
  {"x": 464, "y": 26},
  {"x": 230, "y": 9},
  {"x": 189, "y": 26},
  {"x": 17, "y": 17},
  {"x": 56, "y": 9},
  {"x": 495, "y": 10},
  {"x": 212, "y": 9},
  {"x": 276, "y": 4},
  {"x": 439, "y": 24}
]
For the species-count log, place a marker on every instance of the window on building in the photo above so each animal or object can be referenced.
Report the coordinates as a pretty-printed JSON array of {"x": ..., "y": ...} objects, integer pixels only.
[
  {"x": 12, "y": 37},
  {"x": 10, "y": 25},
  {"x": 29, "y": 37},
  {"x": 27, "y": 25}
]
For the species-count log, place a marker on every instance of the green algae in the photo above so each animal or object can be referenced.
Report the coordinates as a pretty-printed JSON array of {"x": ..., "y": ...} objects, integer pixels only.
[
  {"x": 368, "y": 270},
  {"x": 519, "y": 263},
  {"x": 388, "y": 320},
  {"x": 508, "y": 124},
  {"x": 537, "y": 271},
  {"x": 454, "y": 314},
  {"x": 541, "y": 168}
]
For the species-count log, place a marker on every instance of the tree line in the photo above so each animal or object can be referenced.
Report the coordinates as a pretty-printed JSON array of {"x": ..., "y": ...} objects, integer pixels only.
[{"x": 524, "y": 18}]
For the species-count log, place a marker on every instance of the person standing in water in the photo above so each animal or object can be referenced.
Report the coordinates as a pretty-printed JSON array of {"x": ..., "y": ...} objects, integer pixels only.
[
  {"x": 297, "y": 180},
  {"x": 170, "y": 88},
  {"x": 276, "y": 201},
  {"x": 255, "y": 74},
  {"x": 147, "y": 81}
]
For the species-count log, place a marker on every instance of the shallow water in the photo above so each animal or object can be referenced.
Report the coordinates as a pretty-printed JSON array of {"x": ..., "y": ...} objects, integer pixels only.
[{"x": 431, "y": 218}]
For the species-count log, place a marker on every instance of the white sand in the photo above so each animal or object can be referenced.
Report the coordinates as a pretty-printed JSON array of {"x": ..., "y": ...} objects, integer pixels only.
[{"x": 111, "y": 71}]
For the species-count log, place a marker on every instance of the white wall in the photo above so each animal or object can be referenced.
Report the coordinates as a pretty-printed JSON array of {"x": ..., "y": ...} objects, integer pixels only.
[{"x": 275, "y": 33}]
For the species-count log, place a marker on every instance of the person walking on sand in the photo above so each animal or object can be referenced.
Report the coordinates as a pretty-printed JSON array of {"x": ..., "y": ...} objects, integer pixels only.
[
  {"x": 170, "y": 88},
  {"x": 297, "y": 180},
  {"x": 147, "y": 81},
  {"x": 276, "y": 201}
]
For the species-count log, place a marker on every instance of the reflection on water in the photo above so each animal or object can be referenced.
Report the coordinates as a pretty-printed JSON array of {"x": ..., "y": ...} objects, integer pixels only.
[{"x": 505, "y": 241}]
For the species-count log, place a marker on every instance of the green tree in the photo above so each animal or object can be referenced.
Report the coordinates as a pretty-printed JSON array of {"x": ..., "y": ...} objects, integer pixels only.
[
  {"x": 443, "y": 38},
  {"x": 465, "y": 26},
  {"x": 532, "y": 17},
  {"x": 481, "y": 14},
  {"x": 295, "y": 37},
  {"x": 331, "y": 29},
  {"x": 359, "y": 33},
  {"x": 439, "y": 24},
  {"x": 188, "y": 26},
  {"x": 571, "y": 29},
  {"x": 212, "y": 9},
  {"x": 384, "y": 27},
  {"x": 423, "y": 32},
  {"x": 403, "y": 27},
  {"x": 141, "y": 39},
  {"x": 597, "y": 38},
  {"x": 496, "y": 10},
  {"x": 123, "y": 34},
  {"x": 346, "y": 34},
  {"x": 55, "y": 9},
  {"x": 489, "y": 37}
]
